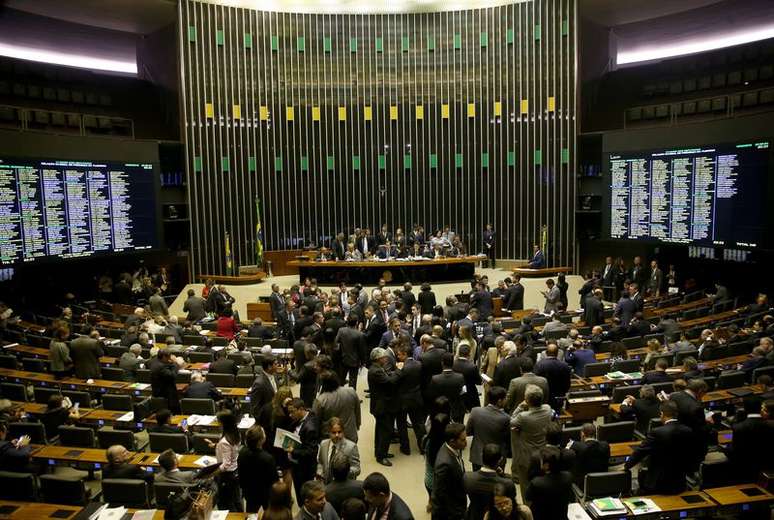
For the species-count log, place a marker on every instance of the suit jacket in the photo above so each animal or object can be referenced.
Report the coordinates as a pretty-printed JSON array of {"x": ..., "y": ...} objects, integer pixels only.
[
  {"x": 669, "y": 450},
  {"x": 158, "y": 305},
  {"x": 639, "y": 274},
  {"x": 450, "y": 384},
  {"x": 373, "y": 330},
  {"x": 195, "y": 306},
  {"x": 538, "y": 261},
  {"x": 528, "y": 434},
  {"x": 479, "y": 485},
  {"x": 410, "y": 385},
  {"x": 277, "y": 303},
  {"x": 608, "y": 275},
  {"x": 691, "y": 414},
  {"x": 550, "y": 495},
  {"x": 514, "y": 298},
  {"x": 642, "y": 411},
  {"x": 426, "y": 301},
  {"x": 656, "y": 280},
  {"x": 304, "y": 457},
  {"x": 750, "y": 436},
  {"x": 203, "y": 390},
  {"x": 578, "y": 359},
  {"x": 125, "y": 470},
  {"x": 557, "y": 373},
  {"x": 224, "y": 366},
  {"x": 85, "y": 353},
  {"x": 518, "y": 386},
  {"x": 366, "y": 246},
  {"x": 352, "y": 344},
  {"x": 383, "y": 387},
  {"x": 552, "y": 299},
  {"x": 625, "y": 309},
  {"x": 328, "y": 513},
  {"x": 431, "y": 366},
  {"x": 348, "y": 448},
  {"x": 488, "y": 425},
  {"x": 655, "y": 376},
  {"x": 591, "y": 456},
  {"x": 482, "y": 300},
  {"x": 506, "y": 370},
  {"x": 472, "y": 378},
  {"x": 448, "y": 497},
  {"x": 399, "y": 510},
  {"x": 260, "y": 332},
  {"x": 261, "y": 392},
  {"x": 593, "y": 311},
  {"x": 343, "y": 403},
  {"x": 164, "y": 384},
  {"x": 176, "y": 477},
  {"x": 257, "y": 472},
  {"x": 339, "y": 249},
  {"x": 338, "y": 491},
  {"x": 638, "y": 300}
]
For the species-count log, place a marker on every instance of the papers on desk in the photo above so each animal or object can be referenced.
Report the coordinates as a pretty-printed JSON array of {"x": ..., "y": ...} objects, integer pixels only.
[
  {"x": 144, "y": 514},
  {"x": 575, "y": 511},
  {"x": 11, "y": 345},
  {"x": 613, "y": 376},
  {"x": 246, "y": 422},
  {"x": 127, "y": 417},
  {"x": 205, "y": 461},
  {"x": 641, "y": 506},
  {"x": 284, "y": 439},
  {"x": 201, "y": 420},
  {"x": 217, "y": 349},
  {"x": 139, "y": 386},
  {"x": 218, "y": 515},
  {"x": 108, "y": 513},
  {"x": 204, "y": 332},
  {"x": 607, "y": 506}
]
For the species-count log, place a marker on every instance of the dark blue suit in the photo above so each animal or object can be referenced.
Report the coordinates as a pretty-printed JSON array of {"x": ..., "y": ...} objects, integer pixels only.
[{"x": 538, "y": 261}]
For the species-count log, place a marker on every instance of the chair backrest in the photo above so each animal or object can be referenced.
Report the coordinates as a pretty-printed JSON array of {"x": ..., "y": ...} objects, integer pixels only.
[
  {"x": 221, "y": 379},
  {"x": 627, "y": 366},
  {"x": 113, "y": 374},
  {"x": 583, "y": 393},
  {"x": 125, "y": 492},
  {"x": 254, "y": 342},
  {"x": 556, "y": 334},
  {"x": 654, "y": 422},
  {"x": 115, "y": 351},
  {"x": 13, "y": 391},
  {"x": 36, "y": 431},
  {"x": 42, "y": 394},
  {"x": 667, "y": 387},
  {"x": 178, "y": 442},
  {"x": 711, "y": 382},
  {"x": 38, "y": 341},
  {"x": 84, "y": 398},
  {"x": 56, "y": 489},
  {"x": 635, "y": 342},
  {"x": 620, "y": 392},
  {"x": 202, "y": 448},
  {"x": 244, "y": 380},
  {"x": 109, "y": 437},
  {"x": 616, "y": 432},
  {"x": 571, "y": 433},
  {"x": 657, "y": 336},
  {"x": 200, "y": 357},
  {"x": 606, "y": 346},
  {"x": 608, "y": 483},
  {"x": 731, "y": 379},
  {"x": 117, "y": 402},
  {"x": 596, "y": 369},
  {"x": 680, "y": 356},
  {"x": 17, "y": 486},
  {"x": 143, "y": 375},
  {"x": 218, "y": 341},
  {"x": 35, "y": 364},
  {"x": 668, "y": 357},
  {"x": 277, "y": 343},
  {"x": 162, "y": 491},
  {"x": 7, "y": 361},
  {"x": 758, "y": 372},
  {"x": 716, "y": 474},
  {"x": 194, "y": 340},
  {"x": 76, "y": 436},
  {"x": 191, "y": 406},
  {"x": 209, "y": 325},
  {"x": 183, "y": 378}
]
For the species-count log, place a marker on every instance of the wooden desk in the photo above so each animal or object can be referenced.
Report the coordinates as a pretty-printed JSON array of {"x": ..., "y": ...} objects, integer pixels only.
[
  {"x": 620, "y": 450},
  {"x": 710, "y": 397},
  {"x": 676, "y": 309},
  {"x": 42, "y": 353},
  {"x": 259, "y": 310},
  {"x": 677, "y": 504},
  {"x": 247, "y": 279},
  {"x": 94, "y": 458},
  {"x": 588, "y": 408},
  {"x": 543, "y": 272},
  {"x": 32, "y": 510},
  {"x": 186, "y": 461},
  {"x": 110, "y": 324},
  {"x": 393, "y": 271},
  {"x": 706, "y": 320},
  {"x": 741, "y": 497},
  {"x": 29, "y": 326}
]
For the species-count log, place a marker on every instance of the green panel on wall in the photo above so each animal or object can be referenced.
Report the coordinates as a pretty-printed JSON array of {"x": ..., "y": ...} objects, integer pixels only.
[
  {"x": 191, "y": 33},
  {"x": 433, "y": 160},
  {"x": 404, "y": 43},
  {"x": 197, "y": 163},
  {"x": 457, "y": 41},
  {"x": 538, "y": 157},
  {"x": 484, "y": 39},
  {"x": 509, "y": 36},
  {"x": 407, "y": 161},
  {"x": 300, "y": 44},
  {"x": 327, "y": 45},
  {"x": 430, "y": 43},
  {"x": 538, "y": 31},
  {"x": 565, "y": 27},
  {"x": 251, "y": 164},
  {"x": 225, "y": 164},
  {"x": 458, "y": 160},
  {"x": 511, "y": 158},
  {"x": 274, "y": 42},
  {"x": 379, "y": 45},
  {"x": 353, "y": 45},
  {"x": 485, "y": 160},
  {"x": 382, "y": 162},
  {"x": 330, "y": 162},
  {"x": 219, "y": 38},
  {"x": 565, "y": 156},
  {"x": 355, "y": 162},
  {"x": 304, "y": 163},
  {"x": 278, "y": 163},
  {"x": 248, "y": 41}
]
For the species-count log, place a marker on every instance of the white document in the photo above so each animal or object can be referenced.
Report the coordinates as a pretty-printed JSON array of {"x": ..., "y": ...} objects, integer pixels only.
[
  {"x": 11, "y": 345},
  {"x": 285, "y": 438},
  {"x": 128, "y": 417},
  {"x": 205, "y": 461},
  {"x": 218, "y": 515},
  {"x": 202, "y": 420},
  {"x": 485, "y": 378},
  {"x": 246, "y": 422},
  {"x": 144, "y": 514},
  {"x": 112, "y": 513}
]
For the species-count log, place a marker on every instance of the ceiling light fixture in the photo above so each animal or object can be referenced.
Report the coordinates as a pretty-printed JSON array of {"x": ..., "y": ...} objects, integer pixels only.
[
  {"x": 693, "y": 46},
  {"x": 70, "y": 60}
]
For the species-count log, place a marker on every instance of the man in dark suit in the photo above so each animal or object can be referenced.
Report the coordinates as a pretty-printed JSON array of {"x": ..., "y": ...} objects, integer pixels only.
[
  {"x": 448, "y": 498},
  {"x": 411, "y": 402},
  {"x": 480, "y": 483},
  {"x": 258, "y": 330},
  {"x": 638, "y": 273},
  {"x": 303, "y": 458},
  {"x": 747, "y": 452},
  {"x": 625, "y": 309},
  {"x": 342, "y": 488},
  {"x": 463, "y": 365},
  {"x": 170, "y": 472},
  {"x": 489, "y": 425},
  {"x": 593, "y": 309},
  {"x": 384, "y": 404},
  {"x": 85, "y": 352},
  {"x": 195, "y": 306},
  {"x": 556, "y": 372},
  {"x": 691, "y": 414},
  {"x": 669, "y": 448},
  {"x": 382, "y": 503},
  {"x": 118, "y": 465},
  {"x": 481, "y": 300},
  {"x": 264, "y": 386},
  {"x": 339, "y": 247},
  {"x": 538, "y": 259},
  {"x": 636, "y": 296},
  {"x": 276, "y": 301},
  {"x": 608, "y": 278},
  {"x": 489, "y": 245},
  {"x": 591, "y": 455},
  {"x": 407, "y": 296},
  {"x": 352, "y": 345},
  {"x": 641, "y": 409},
  {"x": 366, "y": 243},
  {"x": 431, "y": 363},
  {"x": 286, "y": 321},
  {"x": 449, "y": 384},
  {"x": 201, "y": 389},
  {"x": 223, "y": 365},
  {"x": 373, "y": 329},
  {"x": 510, "y": 367},
  {"x": 163, "y": 380},
  {"x": 659, "y": 375},
  {"x": 514, "y": 295}
]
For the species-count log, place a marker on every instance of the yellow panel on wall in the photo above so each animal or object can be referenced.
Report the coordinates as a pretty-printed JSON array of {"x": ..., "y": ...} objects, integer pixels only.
[
  {"x": 209, "y": 110},
  {"x": 445, "y": 111},
  {"x": 263, "y": 113},
  {"x": 236, "y": 111},
  {"x": 290, "y": 113},
  {"x": 367, "y": 113},
  {"x": 551, "y": 103},
  {"x": 498, "y": 108},
  {"x": 524, "y": 106},
  {"x": 471, "y": 110},
  {"x": 394, "y": 112},
  {"x": 315, "y": 113},
  {"x": 420, "y": 111},
  {"x": 342, "y": 113}
]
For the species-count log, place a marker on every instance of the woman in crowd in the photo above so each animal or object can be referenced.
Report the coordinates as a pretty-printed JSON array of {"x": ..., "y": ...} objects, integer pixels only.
[
  {"x": 59, "y": 353},
  {"x": 504, "y": 507},
  {"x": 227, "y": 452}
]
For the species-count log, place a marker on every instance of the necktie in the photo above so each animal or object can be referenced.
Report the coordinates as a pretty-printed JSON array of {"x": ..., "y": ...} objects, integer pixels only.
[{"x": 330, "y": 461}]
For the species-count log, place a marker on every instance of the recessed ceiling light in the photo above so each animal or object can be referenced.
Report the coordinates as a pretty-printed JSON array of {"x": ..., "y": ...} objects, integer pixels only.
[{"x": 71, "y": 60}]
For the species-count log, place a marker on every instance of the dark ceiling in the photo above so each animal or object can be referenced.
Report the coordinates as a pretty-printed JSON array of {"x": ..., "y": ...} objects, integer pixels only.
[{"x": 611, "y": 13}]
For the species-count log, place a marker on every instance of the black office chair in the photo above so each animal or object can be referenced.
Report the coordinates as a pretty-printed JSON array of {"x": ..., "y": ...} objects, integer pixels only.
[
  {"x": 716, "y": 474},
  {"x": 13, "y": 391},
  {"x": 43, "y": 394},
  {"x": 635, "y": 342},
  {"x": 616, "y": 432},
  {"x": 84, "y": 398},
  {"x": 198, "y": 341},
  {"x": 143, "y": 375},
  {"x": 627, "y": 366},
  {"x": 18, "y": 486},
  {"x": 555, "y": 334},
  {"x": 163, "y": 490},
  {"x": 253, "y": 342},
  {"x": 711, "y": 382},
  {"x": 117, "y": 402},
  {"x": 583, "y": 393},
  {"x": 244, "y": 380},
  {"x": 113, "y": 374},
  {"x": 126, "y": 492},
  {"x": 108, "y": 437},
  {"x": 571, "y": 433},
  {"x": 177, "y": 442},
  {"x": 758, "y": 372},
  {"x": 596, "y": 369},
  {"x": 115, "y": 351},
  {"x": 218, "y": 341},
  {"x": 35, "y": 340},
  {"x": 278, "y": 343},
  {"x": 200, "y": 357},
  {"x": 8, "y": 362},
  {"x": 667, "y": 387},
  {"x": 731, "y": 379},
  {"x": 183, "y": 378},
  {"x": 620, "y": 392},
  {"x": 669, "y": 358},
  {"x": 680, "y": 356},
  {"x": 35, "y": 365},
  {"x": 202, "y": 448},
  {"x": 76, "y": 436},
  {"x": 56, "y": 489},
  {"x": 226, "y": 380},
  {"x": 608, "y": 483},
  {"x": 36, "y": 431},
  {"x": 191, "y": 406}
]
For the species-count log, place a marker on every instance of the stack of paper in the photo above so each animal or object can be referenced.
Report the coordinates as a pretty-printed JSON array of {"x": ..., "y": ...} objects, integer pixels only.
[
  {"x": 128, "y": 416},
  {"x": 246, "y": 422},
  {"x": 144, "y": 514},
  {"x": 641, "y": 505},
  {"x": 111, "y": 513},
  {"x": 202, "y": 420},
  {"x": 11, "y": 345},
  {"x": 139, "y": 386},
  {"x": 607, "y": 506},
  {"x": 205, "y": 461},
  {"x": 616, "y": 375}
]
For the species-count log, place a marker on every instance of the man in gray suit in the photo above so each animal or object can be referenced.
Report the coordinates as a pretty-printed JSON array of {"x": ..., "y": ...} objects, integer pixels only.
[
  {"x": 157, "y": 304},
  {"x": 169, "y": 471},
  {"x": 195, "y": 306},
  {"x": 551, "y": 295},
  {"x": 336, "y": 443},
  {"x": 656, "y": 279},
  {"x": 488, "y": 425},
  {"x": 528, "y": 432},
  {"x": 314, "y": 505},
  {"x": 519, "y": 384},
  {"x": 85, "y": 352}
]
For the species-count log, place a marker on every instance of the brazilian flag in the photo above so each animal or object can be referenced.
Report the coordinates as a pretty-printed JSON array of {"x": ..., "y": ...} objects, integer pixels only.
[
  {"x": 229, "y": 257},
  {"x": 258, "y": 234}
]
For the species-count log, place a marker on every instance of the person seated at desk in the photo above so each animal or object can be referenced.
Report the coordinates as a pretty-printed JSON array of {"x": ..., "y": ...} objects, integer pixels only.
[
  {"x": 227, "y": 326},
  {"x": 758, "y": 360},
  {"x": 691, "y": 369},
  {"x": 259, "y": 330},
  {"x": 550, "y": 494},
  {"x": 439, "y": 241},
  {"x": 352, "y": 254},
  {"x": 639, "y": 326},
  {"x": 57, "y": 414},
  {"x": 538, "y": 259},
  {"x": 118, "y": 465},
  {"x": 748, "y": 451},
  {"x": 170, "y": 473},
  {"x": 659, "y": 375},
  {"x": 671, "y": 454},
  {"x": 591, "y": 455},
  {"x": 681, "y": 345},
  {"x": 14, "y": 454},
  {"x": 641, "y": 409},
  {"x": 222, "y": 364},
  {"x": 162, "y": 423},
  {"x": 578, "y": 356},
  {"x": 654, "y": 350},
  {"x": 201, "y": 389},
  {"x": 131, "y": 361}
]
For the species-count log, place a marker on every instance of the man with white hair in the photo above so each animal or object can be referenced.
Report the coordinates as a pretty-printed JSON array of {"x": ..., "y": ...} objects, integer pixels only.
[
  {"x": 707, "y": 342},
  {"x": 384, "y": 405},
  {"x": 509, "y": 367},
  {"x": 137, "y": 318},
  {"x": 173, "y": 329},
  {"x": 131, "y": 361},
  {"x": 529, "y": 423}
]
